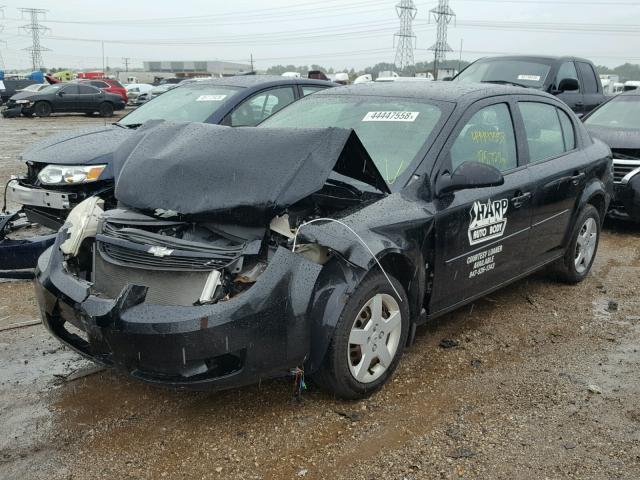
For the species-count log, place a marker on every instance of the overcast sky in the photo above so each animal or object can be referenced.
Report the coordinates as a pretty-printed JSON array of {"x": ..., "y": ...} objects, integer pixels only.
[{"x": 334, "y": 33}]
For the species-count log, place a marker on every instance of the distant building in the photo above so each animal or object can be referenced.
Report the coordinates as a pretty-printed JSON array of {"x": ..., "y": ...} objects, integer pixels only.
[{"x": 189, "y": 69}]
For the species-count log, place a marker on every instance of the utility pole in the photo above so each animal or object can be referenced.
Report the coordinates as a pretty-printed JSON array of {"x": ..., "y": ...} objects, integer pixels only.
[
  {"x": 36, "y": 29},
  {"x": 442, "y": 15},
  {"x": 2, "y": 66},
  {"x": 125, "y": 60},
  {"x": 103, "y": 70},
  {"x": 252, "y": 62},
  {"x": 407, "y": 12}
]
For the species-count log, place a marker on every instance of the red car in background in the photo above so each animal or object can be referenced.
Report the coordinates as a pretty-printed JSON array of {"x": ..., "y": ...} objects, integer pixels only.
[{"x": 108, "y": 85}]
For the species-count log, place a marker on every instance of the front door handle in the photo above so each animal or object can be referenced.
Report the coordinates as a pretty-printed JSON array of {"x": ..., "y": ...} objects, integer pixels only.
[
  {"x": 520, "y": 199},
  {"x": 575, "y": 180}
]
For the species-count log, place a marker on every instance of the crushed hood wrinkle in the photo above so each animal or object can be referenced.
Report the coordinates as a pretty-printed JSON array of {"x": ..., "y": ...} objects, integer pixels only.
[{"x": 247, "y": 173}]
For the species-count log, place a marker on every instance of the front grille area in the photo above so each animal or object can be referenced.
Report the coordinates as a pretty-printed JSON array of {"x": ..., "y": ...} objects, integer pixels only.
[
  {"x": 175, "y": 261},
  {"x": 623, "y": 167},
  {"x": 164, "y": 287},
  {"x": 141, "y": 248}
]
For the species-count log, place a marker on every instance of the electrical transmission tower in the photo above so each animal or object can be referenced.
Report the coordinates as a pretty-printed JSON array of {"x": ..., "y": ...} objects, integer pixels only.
[
  {"x": 442, "y": 15},
  {"x": 2, "y": 42},
  {"x": 36, "y": 29},
  {"x": 406, "y": 11}
]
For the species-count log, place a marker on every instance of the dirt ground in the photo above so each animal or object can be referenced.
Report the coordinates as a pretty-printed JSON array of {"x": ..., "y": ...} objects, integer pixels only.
[{"x": 543, "y": 384}]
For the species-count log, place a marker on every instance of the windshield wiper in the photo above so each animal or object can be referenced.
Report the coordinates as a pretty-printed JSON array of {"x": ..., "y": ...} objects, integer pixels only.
[
  {"x": 505, "y": 82},
  {"x": 130, "y": 125}
]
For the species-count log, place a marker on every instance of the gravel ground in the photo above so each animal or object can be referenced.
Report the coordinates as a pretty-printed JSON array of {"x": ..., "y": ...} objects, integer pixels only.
[{"x": 543, "y": 384}]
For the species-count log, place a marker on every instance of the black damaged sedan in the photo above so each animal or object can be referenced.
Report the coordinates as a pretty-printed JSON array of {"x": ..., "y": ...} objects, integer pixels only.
[{"x": 320, "y": 240}]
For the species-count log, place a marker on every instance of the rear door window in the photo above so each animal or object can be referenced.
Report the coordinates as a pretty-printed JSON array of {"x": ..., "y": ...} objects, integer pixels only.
[
  {"x": 567, "y": 131},
  {"x": 545, "y": 134},
  {"x": 588, "y": 78},
  {"x": 87, "y": 89}
]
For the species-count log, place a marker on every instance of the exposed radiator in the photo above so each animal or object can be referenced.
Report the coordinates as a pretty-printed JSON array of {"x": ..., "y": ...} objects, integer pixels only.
[{"x": 165, "y": 287}]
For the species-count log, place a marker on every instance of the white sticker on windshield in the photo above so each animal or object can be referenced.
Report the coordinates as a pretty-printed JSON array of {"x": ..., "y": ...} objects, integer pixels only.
[
  {"x": 390, "y": 117},
  {"x": 530, "y": 78},
  {"x": 210, "y": 98}
]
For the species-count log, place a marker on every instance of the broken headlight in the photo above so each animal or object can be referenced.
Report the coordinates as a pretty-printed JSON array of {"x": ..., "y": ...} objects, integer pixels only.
[{"x": 70, "y": 174}]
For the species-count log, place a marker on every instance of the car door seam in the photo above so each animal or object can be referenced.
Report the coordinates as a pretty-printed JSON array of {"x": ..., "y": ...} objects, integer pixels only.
[{"x": 550, "y": 218}]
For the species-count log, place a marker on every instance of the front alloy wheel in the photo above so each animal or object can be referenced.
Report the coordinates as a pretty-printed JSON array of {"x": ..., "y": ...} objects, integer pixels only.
[
  {"x": 368, "y": 339},
  {"x": 374, "y": 338}
]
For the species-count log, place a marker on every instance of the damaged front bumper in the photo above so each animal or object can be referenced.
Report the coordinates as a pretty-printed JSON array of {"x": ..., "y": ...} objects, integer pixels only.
[{"x": 262, "y": 333}]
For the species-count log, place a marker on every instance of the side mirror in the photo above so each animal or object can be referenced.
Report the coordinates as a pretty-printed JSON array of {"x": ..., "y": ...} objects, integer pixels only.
[
  {"x": 568, "y": 85},
  {"x": 61, "y": 94},
  {"x": 469, "y": 175}
]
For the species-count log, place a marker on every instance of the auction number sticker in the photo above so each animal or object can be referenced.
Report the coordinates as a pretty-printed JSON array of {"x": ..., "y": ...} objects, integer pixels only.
[
  {"x": 210, "y": 98},
  {"x": 390, "y": 117},
  {"x": 530, "y": 78}
]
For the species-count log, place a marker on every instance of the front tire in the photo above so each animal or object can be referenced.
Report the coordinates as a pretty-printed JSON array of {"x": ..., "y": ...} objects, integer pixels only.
[
  {"x": 368, "y": 340},
  {"x": 581, "y": 252},
  {"x": 42, "y": 109}
]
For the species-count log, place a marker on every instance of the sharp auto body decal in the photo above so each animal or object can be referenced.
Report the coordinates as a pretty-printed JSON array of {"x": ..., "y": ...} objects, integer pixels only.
[{"x": 488, "y": 220}]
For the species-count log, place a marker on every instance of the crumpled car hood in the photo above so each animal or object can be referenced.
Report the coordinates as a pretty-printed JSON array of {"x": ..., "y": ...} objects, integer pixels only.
[
  {"x": 81, "y": 147},
  {"x": 24, "y": 95},
  {"x": 246, "y": 173}
]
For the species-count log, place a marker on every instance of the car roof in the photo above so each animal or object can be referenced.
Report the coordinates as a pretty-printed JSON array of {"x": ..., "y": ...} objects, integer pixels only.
[
  {"x": 455, "y": 92},
  {"x": 248, "y": 81},
  {"x": 545, "y": 58}
]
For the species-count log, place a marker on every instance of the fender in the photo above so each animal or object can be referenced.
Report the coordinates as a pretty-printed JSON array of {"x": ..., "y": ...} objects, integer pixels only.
[
  {"x": 594, "y": 188},
  {"x": 334, "y": 286},
  {"x": 340, "y": 278}
]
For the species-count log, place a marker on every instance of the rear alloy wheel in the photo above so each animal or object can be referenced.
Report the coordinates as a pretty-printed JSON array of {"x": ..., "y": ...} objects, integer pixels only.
[
  {"x": 368, "y": 339},
  {"x": 105, "y": 109},
  {"x": 581, "y": 252},
  {"x": 586, "y": 245},
  {"x": 42, "y": 109}
]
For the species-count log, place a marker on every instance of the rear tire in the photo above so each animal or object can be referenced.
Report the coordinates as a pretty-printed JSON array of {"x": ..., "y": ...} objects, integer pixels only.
[
  {"x": 583, "y": 246},
  {"x": 105, "y": 109},
  {"x": 42, "y": 109},
  {"x": 368, "y": 340}
]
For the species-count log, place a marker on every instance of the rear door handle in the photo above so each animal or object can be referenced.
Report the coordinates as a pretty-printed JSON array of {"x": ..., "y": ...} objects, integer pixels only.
[
  {"x": 575, "y": 180},
  {"x": 520, "y": 199}
]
